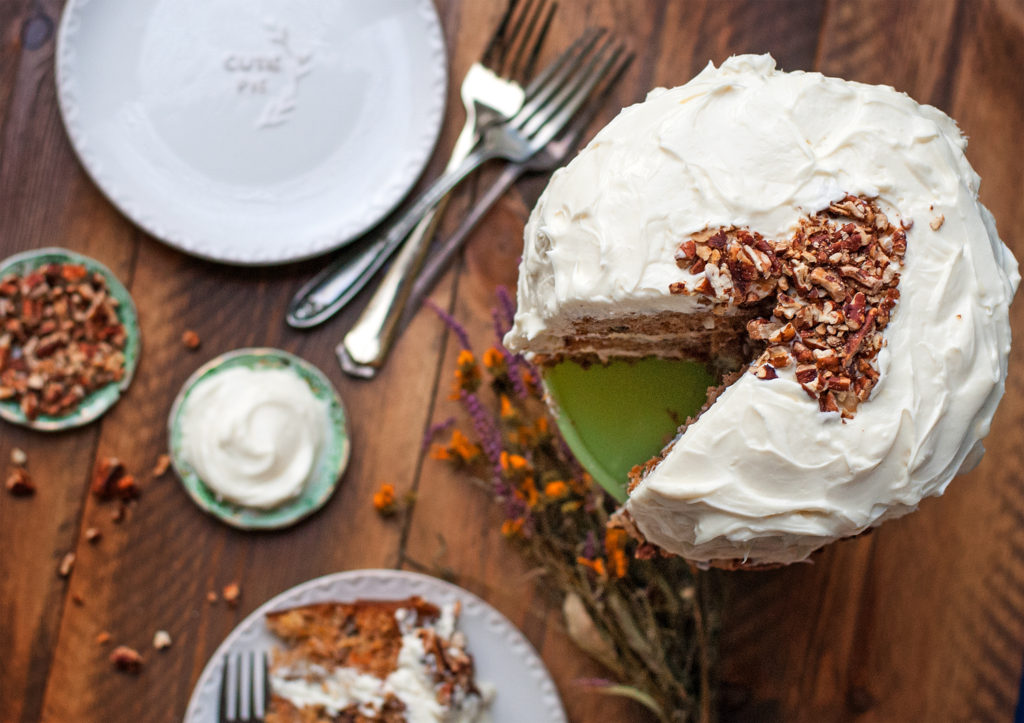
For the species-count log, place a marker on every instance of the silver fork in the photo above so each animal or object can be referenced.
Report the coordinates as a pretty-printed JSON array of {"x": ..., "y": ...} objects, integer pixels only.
[
  {"x": 492, "y": 91},
  {"x": 244, "y": 688},
  {"x": 565, "y": 85},
  {"x": 552, "y": 156}
]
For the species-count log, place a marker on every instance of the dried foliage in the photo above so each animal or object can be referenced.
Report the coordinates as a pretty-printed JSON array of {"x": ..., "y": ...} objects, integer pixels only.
[{"x": 650, "y": 620}]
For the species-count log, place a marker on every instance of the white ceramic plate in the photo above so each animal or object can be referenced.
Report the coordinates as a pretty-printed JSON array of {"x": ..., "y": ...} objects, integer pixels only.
[
  {"x": 252, "y": 131},
  {"x": 525, "y": 691}
]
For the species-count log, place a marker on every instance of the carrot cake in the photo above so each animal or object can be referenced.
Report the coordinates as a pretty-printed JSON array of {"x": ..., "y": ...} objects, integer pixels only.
[
  {"x": 823, "y": 235},
  {"x": 395, "y": 661}
]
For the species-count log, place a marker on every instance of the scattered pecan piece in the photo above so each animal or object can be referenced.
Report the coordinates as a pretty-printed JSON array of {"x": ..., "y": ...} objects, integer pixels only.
[
  {"x": 66, "y": 564},
  {"x": 105, "y": 477},
  {"x": 126, "y": 660},
  {"x": 19, "y": 483},
  {"x": 93, "y": 535},
  {"x": 211, "y": 597},
  {"x": 190, "y": 339},
  {"x": 103, "y": 638}
]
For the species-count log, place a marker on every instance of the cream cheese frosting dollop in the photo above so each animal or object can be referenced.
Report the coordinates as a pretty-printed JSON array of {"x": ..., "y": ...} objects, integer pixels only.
[
  {"x": 253, "y": 435},
  {"x": 763, "y": 476}
]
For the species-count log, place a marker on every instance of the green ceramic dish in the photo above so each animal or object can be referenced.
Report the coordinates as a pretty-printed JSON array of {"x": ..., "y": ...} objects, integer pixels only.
[
  {"x": 330, "y": 466},
  {"x": 94, "y": 405},
  {"x": 622, "y": 414}
]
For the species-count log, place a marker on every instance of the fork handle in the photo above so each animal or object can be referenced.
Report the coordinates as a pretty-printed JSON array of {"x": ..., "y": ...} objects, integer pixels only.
[{"x": 334, "y": 287}]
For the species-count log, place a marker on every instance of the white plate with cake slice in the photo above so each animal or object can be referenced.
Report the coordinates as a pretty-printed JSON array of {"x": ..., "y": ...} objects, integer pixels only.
[{"x": 503, "y": 656}]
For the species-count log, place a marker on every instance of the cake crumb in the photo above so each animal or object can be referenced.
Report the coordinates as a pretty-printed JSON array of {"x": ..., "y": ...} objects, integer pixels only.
[
  {"x": 66, "y": 564},
  {"x": 211, "y": 597},
  {"x": 103, "y": 638},
  {"x": 231, "y": 593},
  {"x": 126, "y": 660},
  {"x": 161, "y": 640},
  {"x": 18, "y": 457},
  {"x": 190, "y": 339},
  {"x": 937, "y": 222}
]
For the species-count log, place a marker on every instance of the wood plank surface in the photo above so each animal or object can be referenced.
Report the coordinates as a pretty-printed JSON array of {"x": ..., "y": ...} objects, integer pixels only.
[{"x": 921, "y": 620}]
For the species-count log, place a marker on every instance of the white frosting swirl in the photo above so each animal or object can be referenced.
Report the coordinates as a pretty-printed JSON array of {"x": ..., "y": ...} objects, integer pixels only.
[
  {"x": 253, "y": 435},
  {"x": 763, "y": 475}
]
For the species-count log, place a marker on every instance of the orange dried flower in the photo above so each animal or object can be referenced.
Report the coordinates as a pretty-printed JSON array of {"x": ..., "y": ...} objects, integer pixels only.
[
  {"x": 459, "y": 448},
  {"x": 513, "y": 463},
  {"x": 384, "y": 500},
  {"x": 615, "y": 548},
  {"x": 493, "y": 359},
  {"x": 511, "y": 528},
  {"x": 508, "y": 412},
  {"x": 528, "y": 492},
  {"x": 597, "y": 565},
  {"x": 467, "y": 373},
  {"x": 556, "y": 490}
]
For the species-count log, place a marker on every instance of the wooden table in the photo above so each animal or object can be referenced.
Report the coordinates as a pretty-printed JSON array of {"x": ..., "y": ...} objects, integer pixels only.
[{"x": 921, "y": 620}]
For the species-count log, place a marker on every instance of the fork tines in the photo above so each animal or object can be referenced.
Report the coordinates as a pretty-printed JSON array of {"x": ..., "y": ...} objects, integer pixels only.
[
  {"x": 513, "y": 49},
  {"x": 244, "y": 688}
]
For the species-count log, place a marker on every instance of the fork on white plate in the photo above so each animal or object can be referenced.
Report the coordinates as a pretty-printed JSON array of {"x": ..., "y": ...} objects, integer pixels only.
[{"x": 244, "y": 687}]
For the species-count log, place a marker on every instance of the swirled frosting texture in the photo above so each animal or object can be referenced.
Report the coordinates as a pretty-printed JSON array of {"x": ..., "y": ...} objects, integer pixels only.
[{"x": 764, "y": 476}]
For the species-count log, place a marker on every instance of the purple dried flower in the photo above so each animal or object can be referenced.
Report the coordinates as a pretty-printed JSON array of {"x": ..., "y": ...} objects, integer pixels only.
[
  {"x": 489, "y": 435},
  {"x": 590, "y": 547},
  {"x": 433, "y": 431},
  {"x": 507, "y": 305},
  {"x": 458, "y": 329}
]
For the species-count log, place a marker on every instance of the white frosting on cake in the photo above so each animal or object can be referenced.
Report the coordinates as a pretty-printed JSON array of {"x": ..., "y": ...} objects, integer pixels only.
[{"x": 763, "y": 475}]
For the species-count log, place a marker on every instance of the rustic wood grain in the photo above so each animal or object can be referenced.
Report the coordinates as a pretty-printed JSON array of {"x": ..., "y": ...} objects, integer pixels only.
[{"x": 918, "y": 621}]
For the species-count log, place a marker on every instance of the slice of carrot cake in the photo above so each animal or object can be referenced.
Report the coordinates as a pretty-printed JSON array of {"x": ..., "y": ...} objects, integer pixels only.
[{"x": 394, "y": 661}]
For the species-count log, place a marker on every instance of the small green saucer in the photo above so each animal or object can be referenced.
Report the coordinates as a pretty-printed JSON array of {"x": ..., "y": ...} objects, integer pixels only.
[
  {"x": 619, "y": 415},
  {"x": 330, "y": 466},
  {"x": 94, "y": 405}
]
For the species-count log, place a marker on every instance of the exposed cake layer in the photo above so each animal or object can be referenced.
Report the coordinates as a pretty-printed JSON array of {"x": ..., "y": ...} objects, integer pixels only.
[
  {"x": 667, "y": 334},
  {"x": 769, "y": 474}
]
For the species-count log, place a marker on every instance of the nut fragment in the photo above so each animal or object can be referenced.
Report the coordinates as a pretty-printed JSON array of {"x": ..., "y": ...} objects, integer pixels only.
[
  {"x": 66, "y": 564},
  {"x": 19, "y": 483},
  {"x": 18, "y": 457},
  {"x": 93, "y": 534},
  {"x": 937, "y": 222},
  {"x": 211, "y": 597},
  {"x": 103, "y": 638},
  {"x": 126, "y": 660},
  {"x": 162, "y": 464},
  {"x": 161, "y": 640},
  {"x": 231, "y": 593},
  {"x": 105, "y": 477},
  {"x": 60, "y": 338},
  {"x": 190, "y": 339}
]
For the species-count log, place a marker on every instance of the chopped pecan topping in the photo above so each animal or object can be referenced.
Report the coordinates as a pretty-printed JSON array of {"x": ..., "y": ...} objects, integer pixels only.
[
  {"x": 60, "y": 338},
  {"x": 105, "y": 477},
  {"x": 835, "y": 284}
]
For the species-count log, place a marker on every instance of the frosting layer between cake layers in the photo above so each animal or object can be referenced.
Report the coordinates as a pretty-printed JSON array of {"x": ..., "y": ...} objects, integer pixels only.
[{"x": 763, "y": 475}]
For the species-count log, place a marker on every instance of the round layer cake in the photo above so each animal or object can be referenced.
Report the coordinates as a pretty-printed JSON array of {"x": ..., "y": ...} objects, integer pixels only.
[{"x": 822, "y": 236}]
